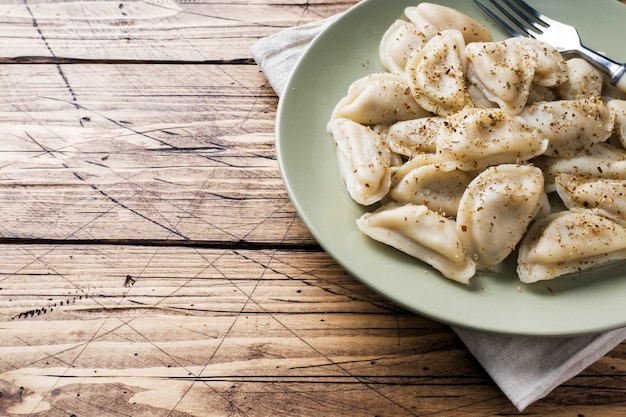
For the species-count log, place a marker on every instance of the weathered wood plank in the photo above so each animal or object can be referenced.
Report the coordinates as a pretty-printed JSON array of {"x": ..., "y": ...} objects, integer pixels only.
[
  {"x": 245, "y": 322},
  {"x": 181, "y": 152},
  {"x": 151, "y": 30},
  {"x": 261, "y": 333},
  {"x": 74, "y": 281}
]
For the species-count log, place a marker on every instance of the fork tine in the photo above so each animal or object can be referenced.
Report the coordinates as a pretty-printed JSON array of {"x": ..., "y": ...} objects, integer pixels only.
[
  {"x": 536, "y": 13},
  {"x": 529, "y": 9},
  {"x": 520, "y": 13},
  {"x": 497, "y": 19},
  {"x": 512, "y": 18}
]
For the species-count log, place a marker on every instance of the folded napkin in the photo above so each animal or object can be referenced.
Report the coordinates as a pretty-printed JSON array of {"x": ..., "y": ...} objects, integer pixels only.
[{"x": 525, "y": 368}]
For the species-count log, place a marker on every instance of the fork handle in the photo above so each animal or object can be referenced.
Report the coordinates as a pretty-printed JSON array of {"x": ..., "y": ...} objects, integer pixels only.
[
  {"x": 615, "y": 70},
  {"x": 618, "y": 79}
]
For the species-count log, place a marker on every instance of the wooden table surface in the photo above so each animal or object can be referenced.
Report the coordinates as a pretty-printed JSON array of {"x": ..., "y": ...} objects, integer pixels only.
[{"x": 151, "y": 263}]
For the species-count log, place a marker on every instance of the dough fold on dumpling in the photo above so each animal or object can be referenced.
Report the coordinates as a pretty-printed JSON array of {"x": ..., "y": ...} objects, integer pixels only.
[
  {"x": 571, "y": 126},
  {"x": 600, "y": 161},
  {"x": 567, "y": 242},
  {"x": 431, "y": 19},
  {"x": 551, "y": 68},
  {"x": 503, "y": 71},
  {"x": 433, "y": 187},
  {"x": 583, "y": 81},
  {"x": 477, "y": 97},
  {"x": 618, "y": 110},
  {"x": 476, "y": 138},
  {"x": 411, "y": 137},
  {"x": 540, "y": 94},
  {"x": 397, "y": 44},
  {"x": 605, "y": 196},
  {"x": 496, "y": 209},
  {"x": 400, "y": 171},
  {"x": 436, "y": 74},
  {"x": 380, "y": 98},
  {"x": 423, "y": 234},
  {"x": 365, "y": 161}
]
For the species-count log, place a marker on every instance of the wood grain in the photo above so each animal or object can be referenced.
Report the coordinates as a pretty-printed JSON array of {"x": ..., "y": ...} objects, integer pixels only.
[
  {"x": 151, "y": 263},
  {"x": 106, "y": 151},
  {"x": 158, "y": 30},
  {"x": 266, "y": 323},
  {"x": 110, "y": 330}
]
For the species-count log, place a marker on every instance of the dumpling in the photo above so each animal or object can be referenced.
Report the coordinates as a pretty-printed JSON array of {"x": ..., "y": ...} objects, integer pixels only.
[
  {"x": 572, "y": 126},
  {"x": 365, "y": 161},
  {"x": 496, "y": 209},
  {"x": 618, "y": 110},
  {"x": 429, "y": 185},
  {"x": 504, "y": 71},
  {"x": 436, "y": 74},
  {"x": 397, "y": 44},
  {"x": 601, "y": 160},
  {"x": 380, "y": 98},
  {"x": 551, "y": 69},
  {"x": 431, "y": 19},
  {"x": 569, "y": 241},
  {"x": 606, "y": 196},
  {"x": 410, "y": 137},
  {"x": 423, "y": 234},
  {"x": 584, "y": 81},
  {"x": 476, "y": 138}
]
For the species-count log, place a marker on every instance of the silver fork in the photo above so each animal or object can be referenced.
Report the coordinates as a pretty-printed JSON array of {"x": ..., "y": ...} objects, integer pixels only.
[{"x": 522, "y": 18}]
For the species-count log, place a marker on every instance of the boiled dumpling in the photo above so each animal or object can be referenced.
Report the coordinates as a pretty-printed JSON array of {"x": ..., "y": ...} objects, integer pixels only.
[
  {"x": 496, "y": 209},
  {"x": 551, "y": 68},
  {"x": 572, "y": 126},
  {"x": 436, "y": 74},
  {"x": 410, "y": 137},
  {"x": 429, "y": 185},
  {"x": 378, "y": 98},
  {"x": 601, "y": 160},
  {"x": 365, "y": 161},
  {"x": 431, "y": 19},
  {"x": 584, "y": 81},
  {"x": 570, "y": 241},
  {"x": 606, "y": 196},
  {"x": 476, "y": 138},
  {"x": 423, "y": 234},
  {"x": 397, "y": 44},
  {"x": 504, "y": 71}
]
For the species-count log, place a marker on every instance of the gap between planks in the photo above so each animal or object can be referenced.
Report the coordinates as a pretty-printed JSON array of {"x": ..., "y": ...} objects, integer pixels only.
[
  {"x": 45, "y": 60},
  {"x": 201, "y": 244}
]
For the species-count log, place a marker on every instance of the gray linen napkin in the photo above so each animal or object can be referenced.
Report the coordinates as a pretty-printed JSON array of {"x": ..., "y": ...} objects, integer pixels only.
[{"x": 526, "y": 369}]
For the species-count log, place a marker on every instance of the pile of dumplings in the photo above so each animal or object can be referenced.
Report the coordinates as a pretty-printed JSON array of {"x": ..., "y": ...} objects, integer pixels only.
[{"x": 468, "y": 150}]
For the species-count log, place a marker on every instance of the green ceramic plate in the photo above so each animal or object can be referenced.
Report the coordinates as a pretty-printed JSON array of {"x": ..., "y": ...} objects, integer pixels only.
[{"x": 499, "y": 303}]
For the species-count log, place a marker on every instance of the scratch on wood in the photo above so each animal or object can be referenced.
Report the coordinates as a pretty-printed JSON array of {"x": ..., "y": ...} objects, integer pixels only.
[
  {"x": 132, "y": 210},
  {"x": 50, "y": 307},
  {"x": 330, "y": 361},
  {"x": 49, "y": 48},
  {"x": 124, "y": 206},
  {"x": 42, "y": 147}
]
